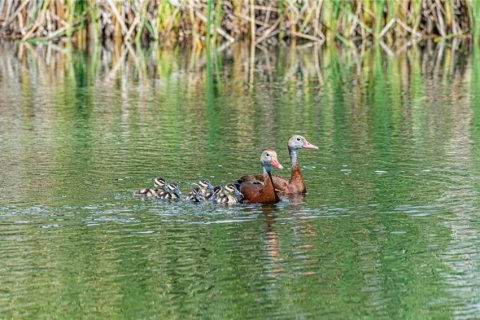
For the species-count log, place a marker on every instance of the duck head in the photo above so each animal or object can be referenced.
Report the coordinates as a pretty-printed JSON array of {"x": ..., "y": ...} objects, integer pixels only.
[
  {"x": 269, "y": 159},
  {"x": 298, "y": 142}
]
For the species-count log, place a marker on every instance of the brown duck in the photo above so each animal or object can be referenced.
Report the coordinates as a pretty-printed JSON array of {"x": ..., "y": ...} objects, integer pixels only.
[
  {"x": 295, "y": 184},
  {"x": 254, "y": 191}
]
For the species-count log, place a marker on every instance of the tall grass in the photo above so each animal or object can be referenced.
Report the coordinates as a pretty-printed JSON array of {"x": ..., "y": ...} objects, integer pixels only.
[{"x": 261, "y": 22}]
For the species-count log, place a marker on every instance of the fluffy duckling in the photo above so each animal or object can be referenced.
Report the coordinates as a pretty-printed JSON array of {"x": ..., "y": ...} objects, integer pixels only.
[
  {"x": 172, "y": 193},
  {"x": 237, "y": 194},
  {"x": 195, "y": 195},
  {"x": 191, "y": 195},
  {"x": 163, "y": 188},
  {"x": 205, "y": 186},
  {"x": 158, "y": 190},
  {"x": 230, "y": 195},
  {"x": 214, "y": 194}
]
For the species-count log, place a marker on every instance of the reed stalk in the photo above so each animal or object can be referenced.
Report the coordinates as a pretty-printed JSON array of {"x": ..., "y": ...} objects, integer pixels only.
[
  {"x": 209, "y": 20},
  {"x": 259, "y": 21}
]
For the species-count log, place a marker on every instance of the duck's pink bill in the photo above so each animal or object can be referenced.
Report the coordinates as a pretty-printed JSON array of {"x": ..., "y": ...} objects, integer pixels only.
[{"x": 308, "y": 145}]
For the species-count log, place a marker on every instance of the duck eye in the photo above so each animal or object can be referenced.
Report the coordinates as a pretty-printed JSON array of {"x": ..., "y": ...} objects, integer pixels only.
[
  {"x": 267, "y": 154},
  {"x": 298, "y": 139}
]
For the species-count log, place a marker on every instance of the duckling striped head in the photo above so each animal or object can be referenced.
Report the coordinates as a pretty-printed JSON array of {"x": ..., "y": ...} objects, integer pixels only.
[
  {"x": 205, "y": 184},
  {"x": 212, "y": 195},
  {"x": 232, "y": 189},
  {"x": 159, "y": 182}
]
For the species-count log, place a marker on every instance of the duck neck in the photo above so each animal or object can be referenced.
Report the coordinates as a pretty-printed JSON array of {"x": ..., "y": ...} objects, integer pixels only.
[
  {"x": 267, "y": 174},
  {"x": 293, "y": 156},
  {"x": 296, "y": 173},
  {"x": 266, "y": 170},
  {"x": 268, "y": 181}
]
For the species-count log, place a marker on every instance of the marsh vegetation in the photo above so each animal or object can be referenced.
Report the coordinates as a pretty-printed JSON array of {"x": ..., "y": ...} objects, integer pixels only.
[{"x": 260, "y": 22}]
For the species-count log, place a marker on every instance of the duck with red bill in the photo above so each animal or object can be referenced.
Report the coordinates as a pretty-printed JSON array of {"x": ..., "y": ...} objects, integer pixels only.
[
  {"x": 256, "y": 192},
  {"x": 295, "y": 184}
]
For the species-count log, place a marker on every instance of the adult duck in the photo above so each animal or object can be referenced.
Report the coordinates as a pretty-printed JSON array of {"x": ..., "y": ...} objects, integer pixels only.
[
  {"x": 296, "y": 184},
  {"x": 254, "y": 191}
]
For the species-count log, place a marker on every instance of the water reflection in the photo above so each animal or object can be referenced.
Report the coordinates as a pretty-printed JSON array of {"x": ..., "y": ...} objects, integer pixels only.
[
  {"x": 123, "y": 64},
  {"x": 388, "y": 228},
  {"x": 296, "y": 198},
  {"x": 271, "y": 239}
]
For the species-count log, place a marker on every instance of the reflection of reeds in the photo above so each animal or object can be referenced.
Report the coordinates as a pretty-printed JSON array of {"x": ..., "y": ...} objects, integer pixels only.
[
  {"x": 261, "y": 22},
  {"x": 132, "y": 62}
]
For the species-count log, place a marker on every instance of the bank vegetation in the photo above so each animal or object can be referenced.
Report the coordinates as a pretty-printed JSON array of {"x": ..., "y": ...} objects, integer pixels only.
[{"x": 260, "y": 22}]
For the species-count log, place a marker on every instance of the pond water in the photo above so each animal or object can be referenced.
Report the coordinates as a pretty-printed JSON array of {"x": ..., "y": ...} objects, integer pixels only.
[{"x": 389, "y": 228}]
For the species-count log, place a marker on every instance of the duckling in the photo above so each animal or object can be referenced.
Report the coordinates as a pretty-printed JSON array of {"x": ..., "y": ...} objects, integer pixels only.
[
  {"x": 161, "y": 186},
  {"x": 230, "y": 195},
  {"x": 205, "y": 186},
  {"x": 173, "y": 192},
  {"x": 159, "y": 182},
  {"x": 191, "y": 195},
  {"x": 156, "y": 191},
  {"x": 147, "y": 192},
  {"x": 236, "y": 192},
  {"x": 213, "y": 195},
  {"x": 195, "y": 195}
]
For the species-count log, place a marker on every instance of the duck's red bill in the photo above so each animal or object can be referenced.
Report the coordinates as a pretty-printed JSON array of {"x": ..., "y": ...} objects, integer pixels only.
[{"x": 276, "y": 164}]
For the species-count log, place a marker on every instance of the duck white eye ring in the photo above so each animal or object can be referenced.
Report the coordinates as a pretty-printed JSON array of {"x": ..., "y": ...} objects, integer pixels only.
[
  {"x": 298, "y": 139},
  {"x": 267, "y": 154}
]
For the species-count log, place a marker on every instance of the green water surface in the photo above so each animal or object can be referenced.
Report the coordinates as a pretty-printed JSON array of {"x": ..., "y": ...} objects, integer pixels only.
[{"x": 389, "y": 228}]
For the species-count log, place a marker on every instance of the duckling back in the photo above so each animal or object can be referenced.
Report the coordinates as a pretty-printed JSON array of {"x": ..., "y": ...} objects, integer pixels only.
[
  {"x": 226, "y": 198},
  {"x": 195, "y": 195},
  {"x": 168, "y": 196},
  {"x": 223, "y": 199},
  {"x": 147, "y": 192}
]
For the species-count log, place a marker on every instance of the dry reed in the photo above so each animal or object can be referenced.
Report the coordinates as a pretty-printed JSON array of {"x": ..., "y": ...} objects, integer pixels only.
[{"x": 261, "y": 22}]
